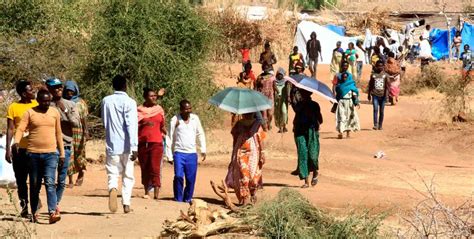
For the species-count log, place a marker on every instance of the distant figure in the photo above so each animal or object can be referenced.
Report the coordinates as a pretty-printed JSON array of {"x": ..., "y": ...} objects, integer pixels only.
[
  {"x": 120, "y": 119},
  {"x": 151, "y": 130},
  {"x": 79, "y": 133},
  {"x": 337, "y": 57},
  {"x": 247, "y": 77},
  {"x": 351, "y": 58},
  {"x": 185, "y": 129},
  {"x": 425, "y": 53},
  {"x": 378, "y": 93},
  {"x": 306, "y": 124},
  {"x": 267, "y": 58},
  {"x": 265, "y": 85},
  {"x": 426, "y": 33},
  {"x": 295, "y": 58},
  {"x": 313, "y": 49},
  {"x": 393, "y": 69},
  {"x": 245, "y": 52},
  {"x": 18, "y": 155},
  {"x": 248, "y": 156},
  {"x": 69, "y": 120},
  {"x": 45, "y": 140},
  {"x": 338, "y": 77},
  {"x": 347, "y": 96},
  {"x": 360, "y": 59},
  {"x": 456, "y": 46},
  {"x": 281, "y": 97},
  {"x": 467, "y": 61}
]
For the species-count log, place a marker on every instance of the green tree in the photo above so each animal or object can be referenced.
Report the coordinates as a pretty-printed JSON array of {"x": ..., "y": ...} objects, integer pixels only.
[{"x": 154, "y": 44}]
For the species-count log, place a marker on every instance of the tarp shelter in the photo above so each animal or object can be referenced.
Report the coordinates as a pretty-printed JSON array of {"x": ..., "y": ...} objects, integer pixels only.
[
  {"x": 441, "y": 45},
  {"x": 326, "y": 37},
  {"x": 337, "y": 29}
]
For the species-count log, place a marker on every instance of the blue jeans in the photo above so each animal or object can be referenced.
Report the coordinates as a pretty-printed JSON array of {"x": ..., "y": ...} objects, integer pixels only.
[
  {"x": 62, "y": 174},
  {"x": 43, "y": 166},
  {"x": 185, "y": 166},
  {"x": 379, "y": 104}
]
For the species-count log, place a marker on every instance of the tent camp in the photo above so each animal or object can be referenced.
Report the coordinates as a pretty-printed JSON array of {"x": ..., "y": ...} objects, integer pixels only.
[
  {"x": 327, "y": 37},
  {"x": 441, "y": 45}
]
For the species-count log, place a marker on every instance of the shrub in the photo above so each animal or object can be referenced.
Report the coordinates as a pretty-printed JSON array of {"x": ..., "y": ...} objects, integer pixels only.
[
  {"x": 154, "y": 44},
  {"x": 290, "y": 215},
  {"x": 432, "y": 77}
]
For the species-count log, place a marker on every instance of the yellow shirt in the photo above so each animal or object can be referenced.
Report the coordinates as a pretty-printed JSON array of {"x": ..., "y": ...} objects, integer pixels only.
[{"x": 15, "y": 111}]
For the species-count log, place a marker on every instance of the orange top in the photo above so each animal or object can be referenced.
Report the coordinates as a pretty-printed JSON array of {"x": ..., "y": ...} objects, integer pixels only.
[{"x": 45, "y": 135}]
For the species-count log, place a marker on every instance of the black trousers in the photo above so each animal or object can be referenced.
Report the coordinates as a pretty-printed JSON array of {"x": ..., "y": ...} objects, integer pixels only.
[{"x": 21, "y": 167}]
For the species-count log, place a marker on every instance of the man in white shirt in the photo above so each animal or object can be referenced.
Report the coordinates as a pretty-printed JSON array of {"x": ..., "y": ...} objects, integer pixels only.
[
  {"x": 425, "y": 52},
  {"x": 119, "y": 115},
  {"x": 426, "y": 33},
  {"x": 185, "y": 128}
]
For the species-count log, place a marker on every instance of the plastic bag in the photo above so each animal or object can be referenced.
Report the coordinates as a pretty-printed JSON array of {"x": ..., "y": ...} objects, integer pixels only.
[{"x": 7, "y": 176}]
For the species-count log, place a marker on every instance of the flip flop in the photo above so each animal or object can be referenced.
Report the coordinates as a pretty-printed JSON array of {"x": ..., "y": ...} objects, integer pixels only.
[
  {"x": 314, "y": 181},
  {"x": 305, "y": 186}
]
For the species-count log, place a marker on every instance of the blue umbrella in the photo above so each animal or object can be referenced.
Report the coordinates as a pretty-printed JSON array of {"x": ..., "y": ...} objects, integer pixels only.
[
  {"x": 240, "y": 100},
  {"x": 312, "y": 85}
]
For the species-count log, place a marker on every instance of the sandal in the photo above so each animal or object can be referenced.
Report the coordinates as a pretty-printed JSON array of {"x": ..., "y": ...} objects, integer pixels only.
[
  {"x": 314, "y": 181},
  {"x": 79, "y": 181},
  {"x": 305, "y": 186}
]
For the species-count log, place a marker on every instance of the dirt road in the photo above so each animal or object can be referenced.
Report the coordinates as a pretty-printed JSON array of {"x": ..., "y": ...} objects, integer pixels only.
[{"x": 417, "y": 149}]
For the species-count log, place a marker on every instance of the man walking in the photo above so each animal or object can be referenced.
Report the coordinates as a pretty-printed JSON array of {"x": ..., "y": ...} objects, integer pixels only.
[
  {"x": 185, "y": 128},
  {"x": 313, "y": 49},
  {"x": 44, "y": 141},
  {"x": 120, "y": 119},
  {"x": 18, "y": 156},
  {"x": 69, "y": 119}
]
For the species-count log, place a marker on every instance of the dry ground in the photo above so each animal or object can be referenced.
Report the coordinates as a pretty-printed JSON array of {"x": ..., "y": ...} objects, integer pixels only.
[{"x": 418, "y": 148}]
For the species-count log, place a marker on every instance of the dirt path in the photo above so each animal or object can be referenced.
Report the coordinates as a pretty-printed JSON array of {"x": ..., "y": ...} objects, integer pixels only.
[{"x": 350, "y": 176}]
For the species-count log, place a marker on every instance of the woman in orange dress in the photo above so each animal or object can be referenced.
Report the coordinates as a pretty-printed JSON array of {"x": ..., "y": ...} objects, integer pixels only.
[{"x": 245, "y": 168}]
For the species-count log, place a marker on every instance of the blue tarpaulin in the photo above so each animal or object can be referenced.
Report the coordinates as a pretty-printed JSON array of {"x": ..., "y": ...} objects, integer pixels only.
[
  {"x": 440, "y": 44},
  {"x": 337, "y": 29}
]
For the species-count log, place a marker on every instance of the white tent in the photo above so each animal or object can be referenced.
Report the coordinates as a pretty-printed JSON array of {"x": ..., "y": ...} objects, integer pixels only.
[{"x": 326, "y": 37}]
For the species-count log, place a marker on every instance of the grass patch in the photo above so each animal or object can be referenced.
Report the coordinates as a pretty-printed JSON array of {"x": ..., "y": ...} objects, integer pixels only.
[{"x": 290, "y": 215}]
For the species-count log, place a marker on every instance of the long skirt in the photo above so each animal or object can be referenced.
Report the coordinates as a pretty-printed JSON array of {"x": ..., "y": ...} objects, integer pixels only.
[
  {"x": 346, "y": 115},
  {"x": 150, "y": 156},
  {"x": 394, "y": 84},
  {"x": 78, "y": 159},
  {"x": 281, "y": 112},
  {"x": 307, "y": 145}
]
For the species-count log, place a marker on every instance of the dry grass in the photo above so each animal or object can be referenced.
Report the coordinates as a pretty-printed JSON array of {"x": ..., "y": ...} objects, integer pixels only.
[
  {"x": 11, "y": 223},
  {"x": 375, "y": 20},
  {"x": 236, "y": 31},
  {"x": 433, "y": 218}
]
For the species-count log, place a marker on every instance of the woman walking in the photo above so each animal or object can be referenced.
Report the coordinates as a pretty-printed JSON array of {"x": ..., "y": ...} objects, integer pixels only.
[
  {"x": 337, "y": 55},
  {"x": 306, "y": 124},
  {"x": 351, "y": 57},
  {"x": 282, "y": 93},
  {"x": 347, "y": 95},
  {"x": 79, "y": 134},
  {"x": 245, "y": 168},
  {"x": 393, "y": 69},
  {"x": 151, "y": 128}
]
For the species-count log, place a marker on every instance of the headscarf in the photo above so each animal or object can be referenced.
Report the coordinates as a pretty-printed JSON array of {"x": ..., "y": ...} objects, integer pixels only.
[
  {"x": 283, "y": 80},
  {"x": 72, "y": 86},
  {"x": 343, "y": 88}
]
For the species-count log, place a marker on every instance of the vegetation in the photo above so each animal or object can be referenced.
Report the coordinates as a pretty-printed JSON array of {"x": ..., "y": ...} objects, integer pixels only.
[
  {"x": 290, "y": 215},
  {"x": 154, "y": 43}
]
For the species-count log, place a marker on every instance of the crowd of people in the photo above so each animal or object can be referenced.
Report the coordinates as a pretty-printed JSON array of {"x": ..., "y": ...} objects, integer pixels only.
[{"x": 49, "y": 127}]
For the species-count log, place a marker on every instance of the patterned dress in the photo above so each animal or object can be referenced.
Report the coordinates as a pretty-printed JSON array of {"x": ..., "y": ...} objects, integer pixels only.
[
  {"x": 245, "y": 169},
  {"x": 78, "y": 158}
]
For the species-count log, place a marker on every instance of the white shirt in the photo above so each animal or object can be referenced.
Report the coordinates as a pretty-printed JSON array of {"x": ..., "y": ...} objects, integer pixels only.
[
  {"x": 425, "y": 49},
  {"x": 120, "y": 118},
  {"x": 425, "y": 35},
  {"x": 360, "y": 54},
  {"x": 183, "y": 135}
]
